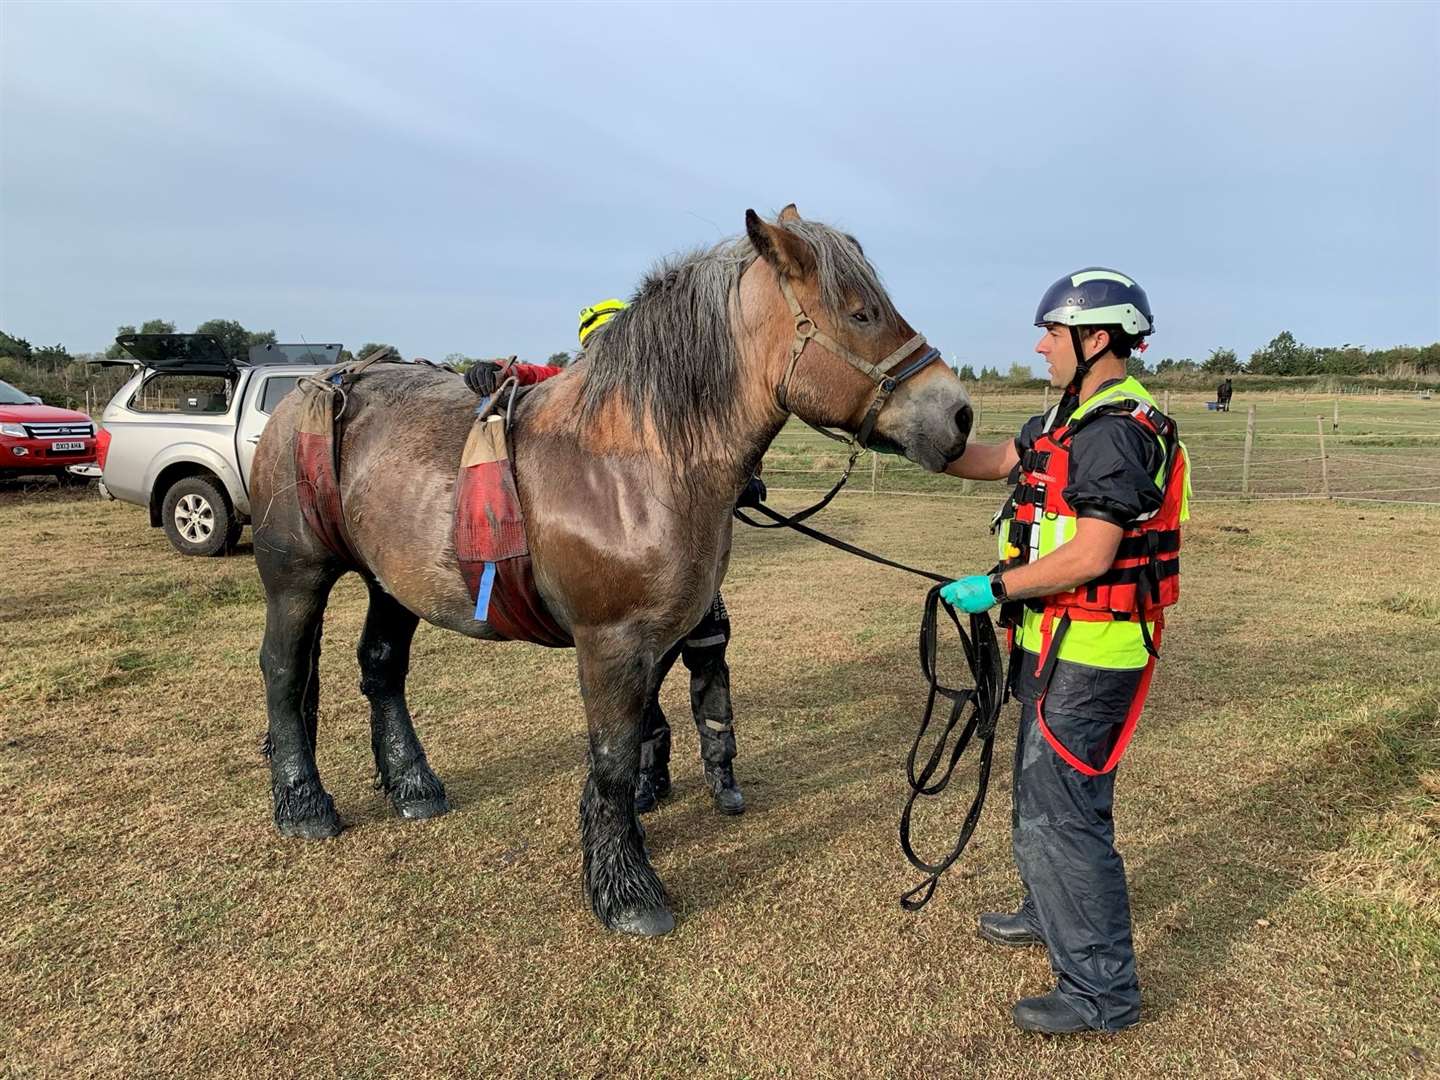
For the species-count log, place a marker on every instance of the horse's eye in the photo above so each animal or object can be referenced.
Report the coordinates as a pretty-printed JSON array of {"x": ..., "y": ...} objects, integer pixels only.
[{"x": 860, "y": 317}]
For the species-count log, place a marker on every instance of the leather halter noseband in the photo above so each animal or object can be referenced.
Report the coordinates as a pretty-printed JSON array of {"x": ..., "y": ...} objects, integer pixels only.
[{"x": 880, "y": 374}]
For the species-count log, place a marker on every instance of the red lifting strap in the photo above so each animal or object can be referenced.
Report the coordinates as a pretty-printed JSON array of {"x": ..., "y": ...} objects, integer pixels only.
[{"x": 1049, "y": 651}]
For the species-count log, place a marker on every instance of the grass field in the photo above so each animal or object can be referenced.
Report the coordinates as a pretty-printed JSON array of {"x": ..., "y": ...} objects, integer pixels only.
[
  {"x": 1279, "y": 813},
  {"x": 1386, "y": 447}
]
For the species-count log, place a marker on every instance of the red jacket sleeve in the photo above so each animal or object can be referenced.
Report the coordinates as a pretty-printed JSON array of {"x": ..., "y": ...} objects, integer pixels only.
[{"x": 528, "y": 374}]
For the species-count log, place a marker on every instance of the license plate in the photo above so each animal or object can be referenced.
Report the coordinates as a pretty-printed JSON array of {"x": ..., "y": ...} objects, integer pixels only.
[{"x": 61, "y": 447}]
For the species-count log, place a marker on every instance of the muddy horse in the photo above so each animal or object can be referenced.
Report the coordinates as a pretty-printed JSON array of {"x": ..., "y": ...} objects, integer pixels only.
[{"x": 626, "y": 469}]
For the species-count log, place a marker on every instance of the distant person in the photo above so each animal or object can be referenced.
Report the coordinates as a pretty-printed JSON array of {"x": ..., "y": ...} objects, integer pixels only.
[{"x": 1223, "y": 393}]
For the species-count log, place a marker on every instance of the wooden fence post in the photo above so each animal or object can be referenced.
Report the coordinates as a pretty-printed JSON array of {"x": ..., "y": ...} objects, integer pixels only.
[
  {"x": 1337, "y": 414},
  {"x": 1249, "y": 447},
  {"x": 874, "y": 472},
  {"x": 967, "y": 487},
  {"x": 1324, "y": 465},
  {"x": 1166, "y": 408},
  {"x": 1046, "y": 407}
]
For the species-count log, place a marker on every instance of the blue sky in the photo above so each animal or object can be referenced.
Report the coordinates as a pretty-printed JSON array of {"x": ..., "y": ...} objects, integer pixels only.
[{"x": 456, "y": 178}]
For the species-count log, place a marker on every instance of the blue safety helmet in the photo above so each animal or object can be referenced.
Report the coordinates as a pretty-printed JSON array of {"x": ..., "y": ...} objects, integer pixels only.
[{"x": 1097, "y": 297}]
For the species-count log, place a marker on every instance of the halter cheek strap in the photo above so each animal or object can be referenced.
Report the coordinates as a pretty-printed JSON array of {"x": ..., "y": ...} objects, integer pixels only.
[{"x": 880, "y": 374}]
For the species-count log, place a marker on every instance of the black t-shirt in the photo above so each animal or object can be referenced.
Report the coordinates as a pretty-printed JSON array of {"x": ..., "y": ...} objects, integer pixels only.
[{"x": 1113, "y": 462}]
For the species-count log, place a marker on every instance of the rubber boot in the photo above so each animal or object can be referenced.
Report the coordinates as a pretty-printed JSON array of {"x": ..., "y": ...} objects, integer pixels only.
[
  {"x": 653, "y": 781},
  {"x": 704, "y": 654},
  {"x": 1015, "y": 930},
  {"x": 1049, "y": 1014},
  {"x": 651, "y": 785},
  {"x": 724, "y": 791}
]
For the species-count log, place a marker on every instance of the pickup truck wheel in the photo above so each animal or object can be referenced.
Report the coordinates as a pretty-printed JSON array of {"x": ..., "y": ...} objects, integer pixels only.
[{"x": 197, "y": 518}]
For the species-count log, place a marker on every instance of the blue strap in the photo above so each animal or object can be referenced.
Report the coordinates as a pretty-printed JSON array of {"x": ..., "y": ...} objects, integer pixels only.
[
  {"x": 482, "y": 595},
  {"x": 926, "y": 358}
]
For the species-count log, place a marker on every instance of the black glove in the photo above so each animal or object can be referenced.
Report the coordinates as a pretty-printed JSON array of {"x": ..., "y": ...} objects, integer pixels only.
[
  {"x": 483, "y": 377},
  {"x": 754, "y": 493}
]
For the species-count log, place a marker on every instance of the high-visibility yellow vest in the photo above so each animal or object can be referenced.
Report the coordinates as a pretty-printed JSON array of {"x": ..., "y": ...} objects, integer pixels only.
[{"x": 1106, "y": 615}]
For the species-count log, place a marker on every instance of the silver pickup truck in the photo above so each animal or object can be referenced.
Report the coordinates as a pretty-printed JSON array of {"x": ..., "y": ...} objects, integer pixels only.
[{"x": 179, "y": 437}]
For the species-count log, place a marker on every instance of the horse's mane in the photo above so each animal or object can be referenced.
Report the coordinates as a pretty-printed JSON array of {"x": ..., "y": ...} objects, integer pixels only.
[{"x": 671, "y": 355}]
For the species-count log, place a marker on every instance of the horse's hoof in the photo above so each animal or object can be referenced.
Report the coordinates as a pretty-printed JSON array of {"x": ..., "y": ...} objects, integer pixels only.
[
  {"x": 325, "y": 828},
  {"x": 420, "y": 809},
  {"x": 418, "y": 794},
  {"x": 650, "y": 923},
  {"x": 306, "y": 812}
]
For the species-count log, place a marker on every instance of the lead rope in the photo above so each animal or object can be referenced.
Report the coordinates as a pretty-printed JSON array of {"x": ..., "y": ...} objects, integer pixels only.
[
  {"x": 793, "y": 521},
  {"x": 982, "y": 654}
]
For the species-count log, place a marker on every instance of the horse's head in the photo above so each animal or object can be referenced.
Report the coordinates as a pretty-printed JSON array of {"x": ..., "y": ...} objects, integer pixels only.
[{"x": 853, "y": 361}]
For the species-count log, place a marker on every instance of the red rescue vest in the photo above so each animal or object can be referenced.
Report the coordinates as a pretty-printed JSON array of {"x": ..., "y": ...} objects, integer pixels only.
[{"x": 1145, "y": 576}]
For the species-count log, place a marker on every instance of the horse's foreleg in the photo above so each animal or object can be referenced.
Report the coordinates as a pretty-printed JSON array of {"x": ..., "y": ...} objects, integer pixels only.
[
  {"x": 294, "y": 611},
  {"x": 384, "y": 655},
  {"x": 625, "y": 892}
]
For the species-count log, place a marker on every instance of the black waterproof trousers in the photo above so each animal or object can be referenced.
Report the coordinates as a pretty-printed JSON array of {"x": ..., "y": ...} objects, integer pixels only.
[
  {"x": 703, "y": 650},
  {"x": 1064, "y": 840}
]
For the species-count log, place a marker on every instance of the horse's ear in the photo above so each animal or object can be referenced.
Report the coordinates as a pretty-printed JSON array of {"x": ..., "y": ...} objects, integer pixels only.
[
  {"x": 790, "y": 213},
  {"x": 787, "y": 253}
]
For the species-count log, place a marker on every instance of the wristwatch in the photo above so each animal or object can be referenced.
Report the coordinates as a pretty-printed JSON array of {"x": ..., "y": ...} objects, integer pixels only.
[{"x": 997, "y": 588}]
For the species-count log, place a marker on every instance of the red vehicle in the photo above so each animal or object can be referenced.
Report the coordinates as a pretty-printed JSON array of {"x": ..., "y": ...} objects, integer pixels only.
[{"x": 39, "y": 438}]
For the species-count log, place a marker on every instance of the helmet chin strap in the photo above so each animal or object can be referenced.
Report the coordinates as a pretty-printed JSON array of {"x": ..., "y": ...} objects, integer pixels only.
[{"x": 1070, "y": 400}]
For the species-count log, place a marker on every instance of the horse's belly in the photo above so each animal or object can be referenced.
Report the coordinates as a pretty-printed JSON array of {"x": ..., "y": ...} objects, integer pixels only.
[
  {"x": 467, "y": 625},
  {"x": 399, "y": 498}
]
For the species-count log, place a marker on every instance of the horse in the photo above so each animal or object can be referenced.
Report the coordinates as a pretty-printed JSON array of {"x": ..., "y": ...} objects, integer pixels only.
[{"x": 627, "y": 468}]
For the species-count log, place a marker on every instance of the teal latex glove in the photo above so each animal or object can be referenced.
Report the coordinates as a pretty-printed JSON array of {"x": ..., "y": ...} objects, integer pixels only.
[{"x": 971, "y": 594}]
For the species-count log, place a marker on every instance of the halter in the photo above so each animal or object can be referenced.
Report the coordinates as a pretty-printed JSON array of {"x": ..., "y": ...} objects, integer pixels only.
[{"x": 885, "y": 382}]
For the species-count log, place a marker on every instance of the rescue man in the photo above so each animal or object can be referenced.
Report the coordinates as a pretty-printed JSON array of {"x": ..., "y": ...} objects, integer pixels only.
[
  {"x": 702, "y": 649},
  {"x": 1089, "y": 559}
]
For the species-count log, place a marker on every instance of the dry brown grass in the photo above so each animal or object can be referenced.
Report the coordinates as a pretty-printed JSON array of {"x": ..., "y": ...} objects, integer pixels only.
[{"x": 1278, "y": 813}]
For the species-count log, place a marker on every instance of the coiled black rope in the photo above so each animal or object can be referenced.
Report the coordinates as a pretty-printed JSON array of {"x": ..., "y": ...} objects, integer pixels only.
[{"x": 982, "y": 653}]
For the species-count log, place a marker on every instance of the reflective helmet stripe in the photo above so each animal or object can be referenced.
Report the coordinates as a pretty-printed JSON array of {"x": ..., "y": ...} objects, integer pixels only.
[
  {"x": 1100, "y": 275},
  {"x": 1097, "y": 296}
]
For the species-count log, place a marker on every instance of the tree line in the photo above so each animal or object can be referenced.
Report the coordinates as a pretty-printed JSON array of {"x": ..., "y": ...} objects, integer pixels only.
[
  {"x": 53, "y": 373},
  {"x": 1283, "y": 356},
  {"x": 68, "y": 379}
]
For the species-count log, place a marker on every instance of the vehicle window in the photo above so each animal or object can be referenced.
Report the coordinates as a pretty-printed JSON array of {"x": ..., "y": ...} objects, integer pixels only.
[
  {"x": 275, "y": 389},
  {"x": 316, "y": 355},
  {"x": 178, "y": 392},
  {"x": 10, "y": 396}
]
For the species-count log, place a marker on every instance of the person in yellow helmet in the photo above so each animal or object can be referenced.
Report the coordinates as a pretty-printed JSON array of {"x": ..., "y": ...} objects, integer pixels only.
[
  {"x": 484, "y": 376},
  {"x": 702, "y": 649},
  {"x": 595, "y": 316}
]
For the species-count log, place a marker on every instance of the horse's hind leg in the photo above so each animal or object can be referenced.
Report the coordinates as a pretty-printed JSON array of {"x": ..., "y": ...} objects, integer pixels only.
[
  {"x": 310, "y": 709},
  {"x": 289, "y": 659},
  {"x": 625, "y": 892},
  {"x": 384, "y": 655}
]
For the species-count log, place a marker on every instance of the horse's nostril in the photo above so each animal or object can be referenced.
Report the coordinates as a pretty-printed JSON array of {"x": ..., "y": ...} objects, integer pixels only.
[{"x": 964, "y": 417}]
